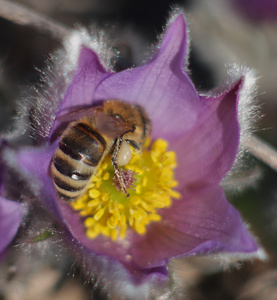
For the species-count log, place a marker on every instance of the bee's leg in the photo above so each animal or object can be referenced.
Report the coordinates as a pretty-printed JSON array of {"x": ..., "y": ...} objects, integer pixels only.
[{"x": 117, "y": 172}]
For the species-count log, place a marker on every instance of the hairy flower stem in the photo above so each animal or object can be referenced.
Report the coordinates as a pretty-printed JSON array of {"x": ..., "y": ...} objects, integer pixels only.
[
  {"x": 263, "y": 151},
  {"x": 21, "y": 15}
]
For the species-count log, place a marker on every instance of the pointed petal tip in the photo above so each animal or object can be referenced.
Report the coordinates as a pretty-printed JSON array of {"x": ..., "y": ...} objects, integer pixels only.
[
  {"x": 174, "y": 40},
  {"x": 177, "y": 17},
  {"x": 177, "y": 25},
  {"x": 177, "y": 13},
  {"x": 180, "y": 20}
]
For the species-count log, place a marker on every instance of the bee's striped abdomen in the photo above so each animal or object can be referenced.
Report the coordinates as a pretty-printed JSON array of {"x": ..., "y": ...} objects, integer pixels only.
[{"x": 80, "y": 150}]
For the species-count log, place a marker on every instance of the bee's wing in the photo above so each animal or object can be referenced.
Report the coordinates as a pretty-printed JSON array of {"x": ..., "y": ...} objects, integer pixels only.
[
  {"x": 105, "y": 124},
  {"x": 63, "y": 120},
  {"x": 110, "y": 125},
  {"x": 77, "y": 114}
]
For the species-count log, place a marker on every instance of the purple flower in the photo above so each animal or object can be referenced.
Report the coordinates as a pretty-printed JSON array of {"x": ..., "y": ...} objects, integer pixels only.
[
  {"x": 257, "y": 9},
  {"x": 11, "y": 214},
  {"x": 202, "y": 133}
]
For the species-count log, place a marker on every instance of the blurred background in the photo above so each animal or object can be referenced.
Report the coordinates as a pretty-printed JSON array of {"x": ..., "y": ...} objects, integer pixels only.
[{"x": 222, "y": 32}]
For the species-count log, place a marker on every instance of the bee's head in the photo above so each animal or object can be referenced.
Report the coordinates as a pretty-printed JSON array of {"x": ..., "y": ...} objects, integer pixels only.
[{"x": 134, "y": 116}]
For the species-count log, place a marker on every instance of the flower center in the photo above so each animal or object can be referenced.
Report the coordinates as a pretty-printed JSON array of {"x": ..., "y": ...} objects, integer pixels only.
[{"x": 150, "y": 178}]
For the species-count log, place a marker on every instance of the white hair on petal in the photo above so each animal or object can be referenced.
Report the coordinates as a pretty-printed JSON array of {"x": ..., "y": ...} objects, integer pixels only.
[
  {"x": 248, "y": 106},
  {"x": 93, "y": 39},
  {"x": 248, "y": 109},
  {"x": 228, "y": 259},
  {"x": 42, "y": 101}
]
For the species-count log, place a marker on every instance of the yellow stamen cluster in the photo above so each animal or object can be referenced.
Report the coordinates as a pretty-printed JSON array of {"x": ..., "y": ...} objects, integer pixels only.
[{"x": 108, "y": 212}]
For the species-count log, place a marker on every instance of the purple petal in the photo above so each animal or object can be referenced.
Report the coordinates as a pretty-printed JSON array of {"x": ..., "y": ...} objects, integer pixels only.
[
  {"x": 161, "y": 86},
  {"x": 208, "y": 151},
  {"x": 10, "y": 217},
  {"x": 89, "y": 74},
  {"x": 202, "y": 222}
]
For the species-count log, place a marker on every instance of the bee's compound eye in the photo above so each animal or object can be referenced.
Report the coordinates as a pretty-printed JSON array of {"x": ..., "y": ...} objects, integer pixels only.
[{"x": 124, "y": 154}]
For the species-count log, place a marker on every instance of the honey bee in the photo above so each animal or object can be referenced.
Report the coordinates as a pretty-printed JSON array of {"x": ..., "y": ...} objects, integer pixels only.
[{"x": 110, "y": 128}]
